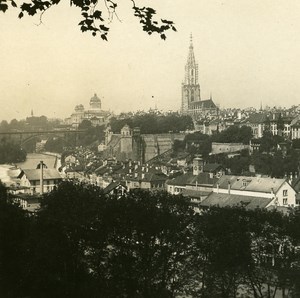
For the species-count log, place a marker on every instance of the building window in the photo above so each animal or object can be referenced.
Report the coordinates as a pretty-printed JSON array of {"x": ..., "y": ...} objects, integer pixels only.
[
  {"x": 284, "y": 201},
  {"x": 285, "y": 192}
]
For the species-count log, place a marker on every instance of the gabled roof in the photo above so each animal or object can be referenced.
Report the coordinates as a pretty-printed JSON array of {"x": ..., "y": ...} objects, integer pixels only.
[
  {"x": 112, "y": 186},
  {"x": 35, "y": 174},
  {"x": 224, "y": 200},
  {"x": 296, "y": 184},
  {"x": 257, "y": 118},
  {"x": 254, "y": 184}
]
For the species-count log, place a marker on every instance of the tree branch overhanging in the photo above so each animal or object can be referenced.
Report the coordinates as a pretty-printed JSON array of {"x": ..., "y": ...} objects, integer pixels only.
[{"x": 93, "y": 19}]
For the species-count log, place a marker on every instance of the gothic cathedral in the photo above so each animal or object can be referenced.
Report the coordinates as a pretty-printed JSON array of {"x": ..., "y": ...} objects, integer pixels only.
[{"x": 191, "y": 102}]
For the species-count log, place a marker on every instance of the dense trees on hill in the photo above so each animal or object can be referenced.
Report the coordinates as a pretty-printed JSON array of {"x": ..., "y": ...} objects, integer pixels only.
[
  {"x": 82, "y": 243},
  {"x": 273, "y": 165},
  {"x": 92, "y": 136},
  {"x": 199, "y": 143},
  {"x": 10, "y": 152},
  {"x": 234, "y": 134},
  {"x": 151, "y": 123},
  {"x": 31, "y": 123}
]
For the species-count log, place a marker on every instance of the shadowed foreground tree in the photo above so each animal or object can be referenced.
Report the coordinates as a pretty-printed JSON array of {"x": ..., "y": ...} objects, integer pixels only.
[
  {"x": 149, "y": 246},
  {"x": 96, "y": 15},
  {"x": 83, "y": 243},
  {"x": 86, "y": 244},
  {"x": 14, "y": 231}
]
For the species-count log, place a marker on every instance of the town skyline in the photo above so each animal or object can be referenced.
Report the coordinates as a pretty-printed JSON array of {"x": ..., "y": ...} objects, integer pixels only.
[{"x": 53, "y": 67}]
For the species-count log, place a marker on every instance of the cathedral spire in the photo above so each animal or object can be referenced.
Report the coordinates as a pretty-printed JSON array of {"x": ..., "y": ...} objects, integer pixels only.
[{"x": 190, "y": 86}]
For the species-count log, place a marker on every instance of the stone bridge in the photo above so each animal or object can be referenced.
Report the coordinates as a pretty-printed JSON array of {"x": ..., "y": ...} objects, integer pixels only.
[{"x": 22, "y": 137}]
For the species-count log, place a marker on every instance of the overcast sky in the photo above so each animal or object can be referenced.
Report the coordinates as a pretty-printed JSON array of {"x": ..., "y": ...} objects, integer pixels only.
[{"x": 247, "y": 51}]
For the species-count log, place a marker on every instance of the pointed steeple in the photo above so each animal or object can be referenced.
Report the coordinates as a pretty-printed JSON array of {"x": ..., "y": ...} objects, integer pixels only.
[
  {"x": 191, "y": 67},
  {"x": 191, "y": 62}
]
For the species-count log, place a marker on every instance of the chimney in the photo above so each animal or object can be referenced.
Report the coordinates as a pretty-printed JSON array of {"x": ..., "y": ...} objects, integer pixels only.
[
  {"x": 229, "y": 187},
  {"x": 41, "y": 177},
  {"x": 291, "y": 178}
]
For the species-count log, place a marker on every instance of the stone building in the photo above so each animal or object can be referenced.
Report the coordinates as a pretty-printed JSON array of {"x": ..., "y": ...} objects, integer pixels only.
[
  {"x": 131, "y": 144},
  {"x": 191, "y": 102},
  {"x": 94, "y": 113}
]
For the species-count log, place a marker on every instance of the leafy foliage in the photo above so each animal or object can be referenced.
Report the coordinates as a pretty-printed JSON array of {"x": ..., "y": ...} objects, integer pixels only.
[
  {"x": 93, "y": 19},
  {"x": 234, "y": 134},
  {"x": 83, "y": 243},
  {"x": 14, "y": 232},
  {"x": 10, "y": 152},
  {"x": 151, "y": 123}
]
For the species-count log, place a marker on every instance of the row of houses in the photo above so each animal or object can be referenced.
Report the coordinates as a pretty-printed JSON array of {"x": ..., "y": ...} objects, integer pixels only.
[
  {"x": 204, "y": 184},
  {"x": 278, "y": 124},
  {"x": 208, "y": 184}
]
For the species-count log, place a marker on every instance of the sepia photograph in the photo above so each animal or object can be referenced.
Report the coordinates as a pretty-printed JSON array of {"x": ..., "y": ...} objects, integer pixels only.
[{"x": 150, "y": 149}]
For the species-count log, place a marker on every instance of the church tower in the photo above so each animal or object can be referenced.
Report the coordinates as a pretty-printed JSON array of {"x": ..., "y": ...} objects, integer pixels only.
[{"x": 190, "y": 85}]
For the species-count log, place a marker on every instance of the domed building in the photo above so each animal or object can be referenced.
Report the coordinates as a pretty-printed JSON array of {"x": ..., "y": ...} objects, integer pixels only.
[
  {"x": 95, "y": 103},
  {"x": 93, "y": 114}
]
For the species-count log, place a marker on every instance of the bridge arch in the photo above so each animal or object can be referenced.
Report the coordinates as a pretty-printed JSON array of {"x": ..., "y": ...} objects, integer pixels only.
[{"x": 59, "y": 136}]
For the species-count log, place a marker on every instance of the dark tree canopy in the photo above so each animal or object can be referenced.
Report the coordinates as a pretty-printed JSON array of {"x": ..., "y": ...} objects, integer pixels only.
[
  {"x": 96, "y": 15},
  {"x": 152, "y": 123}
]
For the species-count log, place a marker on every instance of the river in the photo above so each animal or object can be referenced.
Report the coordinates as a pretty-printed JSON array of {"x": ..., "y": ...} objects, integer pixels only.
[{"x": 51, "y": 160}]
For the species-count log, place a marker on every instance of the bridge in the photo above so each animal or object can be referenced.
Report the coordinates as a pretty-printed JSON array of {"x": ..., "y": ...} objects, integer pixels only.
[{"x": 22, "y": 137}]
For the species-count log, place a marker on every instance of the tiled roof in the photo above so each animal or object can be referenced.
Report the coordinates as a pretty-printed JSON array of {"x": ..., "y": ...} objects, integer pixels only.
[
  {"x": 256, "y": 184},
  {"x": 211, "y": 167},
  {"x": 194, "y": 193},
  {"x": 296, "y": 184},
  {"x": 112, "y": 186},
  {"x": 224, "y": 200},
  {"x": 257, "y": 118},
  {"x": 190, "y": 179},
  {"x": 35, "y": 174},
  {"x": 204, "y": 104},
  {"x": 148, "y": 177}
]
